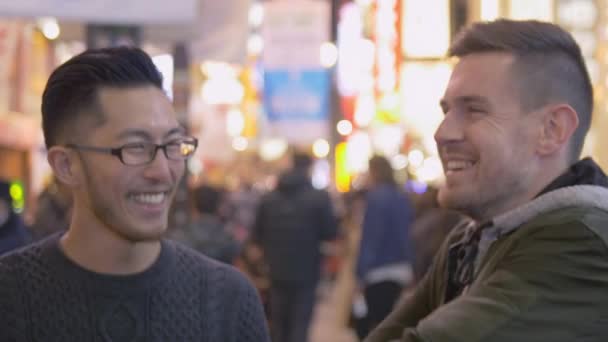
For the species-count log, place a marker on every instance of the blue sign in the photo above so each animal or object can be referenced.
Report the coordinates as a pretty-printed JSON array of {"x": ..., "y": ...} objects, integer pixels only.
[{"x": 296, "y": 96}]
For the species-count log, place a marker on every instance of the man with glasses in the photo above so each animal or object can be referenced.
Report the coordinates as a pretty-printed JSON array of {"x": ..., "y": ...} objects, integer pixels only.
[{"x": 113, "y": 139}]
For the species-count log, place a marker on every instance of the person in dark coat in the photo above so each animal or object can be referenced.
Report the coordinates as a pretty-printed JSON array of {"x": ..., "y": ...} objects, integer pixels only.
[
  {"x": 12, "y": 229},
  {"x": 291, "y": 223},
  {"x": 53, "y": 211},
  {"x": 207, "y": 233}
]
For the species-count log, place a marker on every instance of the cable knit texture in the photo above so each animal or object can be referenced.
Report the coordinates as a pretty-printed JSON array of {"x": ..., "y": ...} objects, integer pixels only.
[{"x": 184, "y": 296}]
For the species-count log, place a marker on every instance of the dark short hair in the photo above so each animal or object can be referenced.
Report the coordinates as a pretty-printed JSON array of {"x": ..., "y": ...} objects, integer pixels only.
[
  {"x": 548, "y": 64},
  {"x": 74, "y": 86},
  {"x": 381, "y": 171},
  {"x": 207, "y": 199}
]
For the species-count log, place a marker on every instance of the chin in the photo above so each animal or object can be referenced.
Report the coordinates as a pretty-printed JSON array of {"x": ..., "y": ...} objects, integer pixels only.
[
  {"x": 145, "y": 232},
  {"x": 145, "y": 236},
  {"x": 449, "y": 199}
]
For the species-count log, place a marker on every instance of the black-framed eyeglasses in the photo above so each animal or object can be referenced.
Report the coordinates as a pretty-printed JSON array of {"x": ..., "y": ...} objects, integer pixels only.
[{"x": 142, "y": 153}]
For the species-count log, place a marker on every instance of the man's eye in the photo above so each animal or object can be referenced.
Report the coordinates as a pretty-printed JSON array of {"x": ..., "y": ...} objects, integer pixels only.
[
  {"x": 134, "y": 148},
  {"x": 476, "y": 110}
]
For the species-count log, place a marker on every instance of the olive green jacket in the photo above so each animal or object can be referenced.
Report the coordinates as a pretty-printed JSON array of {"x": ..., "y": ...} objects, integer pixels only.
[{"x": 541, "y": 274}]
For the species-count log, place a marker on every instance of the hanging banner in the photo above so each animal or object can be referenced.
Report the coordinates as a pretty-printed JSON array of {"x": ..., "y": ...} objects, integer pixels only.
[
  {"x": 293, "y": 32},
  {"x": 296, "y": 86},
  {"x": 297, "y": 104},
  {"x": 297, "y": 95},
  {"x": 105, "y": 11}
]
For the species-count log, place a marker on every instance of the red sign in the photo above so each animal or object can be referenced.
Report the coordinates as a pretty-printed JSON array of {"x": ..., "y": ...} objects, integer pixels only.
[{"x": 386, "y": 36}]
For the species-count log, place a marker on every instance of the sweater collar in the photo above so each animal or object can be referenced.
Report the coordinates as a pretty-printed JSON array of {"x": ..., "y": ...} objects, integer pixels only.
[{"x": 107, "y": 282}]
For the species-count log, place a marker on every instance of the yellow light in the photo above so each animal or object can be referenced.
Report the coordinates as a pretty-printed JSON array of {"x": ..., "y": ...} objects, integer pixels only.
[
  {"x": 344, "y": 127},
  {"x": 16, "y": 192},
  {"x": 426, "y": 35},
  {"x": 49, "y": 27},
  {"x": 17, "y": 195},
  {"x": 342, "y": 176},
  {"x": 320, "y": 148},
  {"x": 186, "y": 149},
  {"x": 235, "y": 122},
  {"x": 273, "y": 149},
  {"x": 240, "y": 144},
  {"x": 328, "y": 55}
]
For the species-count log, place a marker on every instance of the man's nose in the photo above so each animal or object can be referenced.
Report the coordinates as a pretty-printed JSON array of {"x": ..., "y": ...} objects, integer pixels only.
[
  {"x": 159, "y": 168},
  {"x": 450, "y": 129}
]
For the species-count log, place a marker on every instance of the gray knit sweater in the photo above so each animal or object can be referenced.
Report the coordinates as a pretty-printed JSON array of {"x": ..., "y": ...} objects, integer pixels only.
[{"x": 184, "y": 296}]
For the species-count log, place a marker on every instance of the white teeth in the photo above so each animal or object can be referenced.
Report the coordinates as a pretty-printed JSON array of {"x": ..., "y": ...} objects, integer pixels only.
[
  {"x": 149, "y": 198},
  {"x": 455, "y": 165}
]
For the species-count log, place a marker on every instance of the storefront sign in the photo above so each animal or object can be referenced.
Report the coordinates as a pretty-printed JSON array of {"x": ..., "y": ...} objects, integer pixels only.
[
  {"x": 296, "y": 96},
  {"x": 297, "y": 103},
  {"x": 386, "y": 38}
]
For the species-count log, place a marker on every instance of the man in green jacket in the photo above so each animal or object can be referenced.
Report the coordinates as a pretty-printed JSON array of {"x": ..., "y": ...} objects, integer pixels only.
[{"x": 532, "y": 265}]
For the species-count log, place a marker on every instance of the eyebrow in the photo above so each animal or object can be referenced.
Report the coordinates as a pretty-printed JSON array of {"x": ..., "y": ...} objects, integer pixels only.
[
  {"x": 145, "y": 135},
  {"x": 467, "y": 99},
  {"x": 472, "y": 98}
]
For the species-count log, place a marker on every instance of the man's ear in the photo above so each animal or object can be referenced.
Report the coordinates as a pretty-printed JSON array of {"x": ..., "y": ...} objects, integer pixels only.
[
  {"x": 558, "y": 125},
  {"x": 64, "y": 164}
]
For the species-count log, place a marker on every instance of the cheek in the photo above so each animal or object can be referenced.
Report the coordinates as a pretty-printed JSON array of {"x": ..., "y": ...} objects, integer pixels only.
[{"x": 177, "y": 170}]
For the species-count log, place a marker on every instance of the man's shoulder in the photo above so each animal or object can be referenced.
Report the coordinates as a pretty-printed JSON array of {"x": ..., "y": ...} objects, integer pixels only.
[
  {"x": 23, "y": 257},
  {"x": 570, "y": 222},
  {"x": 24, "y": 267}
]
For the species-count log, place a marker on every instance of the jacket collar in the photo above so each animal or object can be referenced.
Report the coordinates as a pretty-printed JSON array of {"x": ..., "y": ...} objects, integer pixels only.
[
  {"x": 584, "y": 172},
  {"x": 583, "y": 185}
]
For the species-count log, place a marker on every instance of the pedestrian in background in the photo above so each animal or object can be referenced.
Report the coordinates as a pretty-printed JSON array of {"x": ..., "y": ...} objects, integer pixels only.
[
  {"x": 291, "y": 223},
  {"x": 13, "y": 233},
  {"x": 385, "y": 261}
]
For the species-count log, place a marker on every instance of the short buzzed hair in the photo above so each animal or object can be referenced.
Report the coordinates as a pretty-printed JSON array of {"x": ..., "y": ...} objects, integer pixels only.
[
  {"x": 74, "y": 86},
  {"x": 548, "y": 64}
]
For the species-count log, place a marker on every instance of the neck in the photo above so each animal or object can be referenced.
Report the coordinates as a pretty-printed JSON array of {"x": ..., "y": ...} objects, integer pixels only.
[
  {"x": 98, "y": 248},
  {"x": 550, "y": 172}
]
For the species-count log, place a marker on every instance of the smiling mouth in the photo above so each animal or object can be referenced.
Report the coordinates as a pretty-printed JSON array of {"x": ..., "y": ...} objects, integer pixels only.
[
  {"x": 149, "y": 198},
  {"x": 454, "y": 166}
]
